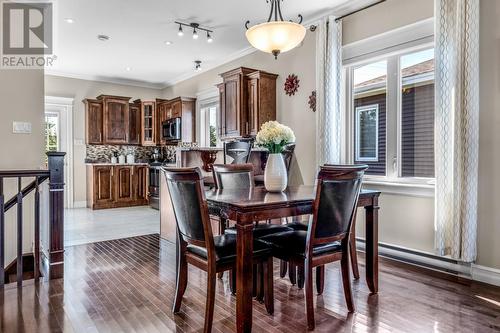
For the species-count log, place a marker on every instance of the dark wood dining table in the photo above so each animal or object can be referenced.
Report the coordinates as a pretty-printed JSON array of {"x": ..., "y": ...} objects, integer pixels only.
[{"x": 245, "y": 206}]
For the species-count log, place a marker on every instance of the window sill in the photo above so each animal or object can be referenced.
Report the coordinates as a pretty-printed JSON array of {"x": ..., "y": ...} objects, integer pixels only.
[{"x": 413, "y": 188}]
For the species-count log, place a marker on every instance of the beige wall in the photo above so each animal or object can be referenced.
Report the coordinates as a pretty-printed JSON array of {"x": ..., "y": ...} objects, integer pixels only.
[
  {"x": 291, "y": 111},
  {"x": 489, "y": 135},
  {"x": 79, "y": 90},
  {"x": 21, "y": 96}
]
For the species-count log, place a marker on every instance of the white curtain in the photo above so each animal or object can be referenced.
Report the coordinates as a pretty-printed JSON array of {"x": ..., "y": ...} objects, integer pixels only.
[
  {"x": 457, "y": 127},
  {"x": 329, "y": 82}
]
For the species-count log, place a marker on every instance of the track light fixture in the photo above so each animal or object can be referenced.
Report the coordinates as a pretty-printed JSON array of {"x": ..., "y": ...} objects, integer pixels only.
[
  {"x": 195, "y": 27},
  {"x": 197, "y": 65}
]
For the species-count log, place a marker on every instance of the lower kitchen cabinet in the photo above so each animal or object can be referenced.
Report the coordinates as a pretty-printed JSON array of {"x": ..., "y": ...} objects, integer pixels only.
[{"x": 114, "y": 186}]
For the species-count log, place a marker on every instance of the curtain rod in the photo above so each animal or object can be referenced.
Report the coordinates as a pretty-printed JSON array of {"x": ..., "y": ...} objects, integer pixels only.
[{"x": 359, "y": 10}]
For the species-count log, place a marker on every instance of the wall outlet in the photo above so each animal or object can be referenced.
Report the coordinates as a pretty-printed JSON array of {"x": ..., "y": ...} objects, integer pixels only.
[{"x": 19, "y": 127}]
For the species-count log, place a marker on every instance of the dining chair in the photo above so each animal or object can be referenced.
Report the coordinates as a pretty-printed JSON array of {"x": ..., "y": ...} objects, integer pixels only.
[
  {"x": 197, "y": 246},
  {"x": 239, "y": 151},
  {"x": 328, "y": 235},
  {"x": 241, "y": 176}
]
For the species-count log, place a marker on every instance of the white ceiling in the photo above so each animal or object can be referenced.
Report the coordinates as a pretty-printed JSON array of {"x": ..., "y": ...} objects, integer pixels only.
[{"x": 139, "y": 29}]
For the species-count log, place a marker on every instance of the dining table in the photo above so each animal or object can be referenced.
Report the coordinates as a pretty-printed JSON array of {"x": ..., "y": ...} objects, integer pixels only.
[{"x": 246, "y": 206}]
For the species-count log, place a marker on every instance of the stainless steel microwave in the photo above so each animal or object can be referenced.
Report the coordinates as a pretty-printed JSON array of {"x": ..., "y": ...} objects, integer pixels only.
[{"x": 171, "y": 130}]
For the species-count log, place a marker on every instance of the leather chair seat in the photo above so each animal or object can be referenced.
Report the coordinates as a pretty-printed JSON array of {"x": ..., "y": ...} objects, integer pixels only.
[
  {"x": 225, "y": 249},
  {"x": 297, "y": 226},
  {"x": 262, "y": 229},
  {"x": 293, "y": 244}
]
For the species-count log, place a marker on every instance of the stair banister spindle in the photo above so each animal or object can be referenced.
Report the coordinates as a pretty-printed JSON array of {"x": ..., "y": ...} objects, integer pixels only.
[
  {"x": 37, "y": 230},
  {"x": 2, "y": 235},
  {"x": 19, "y": 233}
]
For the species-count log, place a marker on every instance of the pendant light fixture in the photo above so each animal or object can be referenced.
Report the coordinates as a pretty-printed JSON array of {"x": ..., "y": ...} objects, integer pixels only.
[{"x": 276, "y": 35}]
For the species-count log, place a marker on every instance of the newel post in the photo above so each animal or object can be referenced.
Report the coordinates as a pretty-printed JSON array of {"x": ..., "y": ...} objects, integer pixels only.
[{"x": 56, "y": 215}]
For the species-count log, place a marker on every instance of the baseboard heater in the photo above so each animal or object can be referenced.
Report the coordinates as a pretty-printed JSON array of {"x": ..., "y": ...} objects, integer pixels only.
[{"x": 421, "y": 259}]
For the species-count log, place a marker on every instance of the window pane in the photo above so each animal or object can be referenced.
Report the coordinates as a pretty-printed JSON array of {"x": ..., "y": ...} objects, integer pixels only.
[
  {"x": 213, "y": 126},
  {"x": 417, "y": 114},
  {"x": 370, "y": 92},
  {"x": 367, "y": 133},
  {"x": 51, "y": 132}
]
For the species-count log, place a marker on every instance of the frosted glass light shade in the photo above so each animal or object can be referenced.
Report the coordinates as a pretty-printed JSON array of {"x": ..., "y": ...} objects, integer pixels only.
[{"x": 276, "y": 36}]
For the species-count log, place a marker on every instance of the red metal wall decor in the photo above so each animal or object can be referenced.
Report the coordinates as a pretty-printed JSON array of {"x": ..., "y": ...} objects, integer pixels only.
[
  {"x": 312, "y": 101},
  {"x": 292, "y": 84}
]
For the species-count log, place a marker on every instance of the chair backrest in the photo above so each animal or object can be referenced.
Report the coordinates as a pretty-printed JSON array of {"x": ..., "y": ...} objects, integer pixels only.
[
  {"x": 337, "y": 192},
  {"x": 239, "y": 151},
  {"x": 288, "y": 151},
  {"x": 232, "y": 176},
  {"x": 188, "y": 200}
]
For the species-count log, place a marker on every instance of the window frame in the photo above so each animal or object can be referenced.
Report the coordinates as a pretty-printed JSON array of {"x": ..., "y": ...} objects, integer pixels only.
[
  {"x": 358, "y": 111},
  {"x": 393, "y": 122}
]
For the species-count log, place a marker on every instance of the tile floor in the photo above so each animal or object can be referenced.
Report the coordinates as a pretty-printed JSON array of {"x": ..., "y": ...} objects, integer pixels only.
[{"x": 84, "y": 226}]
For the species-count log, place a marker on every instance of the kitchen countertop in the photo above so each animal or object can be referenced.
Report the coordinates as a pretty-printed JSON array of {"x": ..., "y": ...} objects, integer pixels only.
[
  {"x": 109, "y": 163},
  {"x": 258, "y": 149}
]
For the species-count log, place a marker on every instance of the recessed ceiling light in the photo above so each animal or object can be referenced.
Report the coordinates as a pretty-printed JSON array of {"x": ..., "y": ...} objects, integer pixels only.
[
  {"x": 103, "y": 38},
  {"x": 168, "y": 42},
  {"x": 69, "y": 20},
  {"x": 128, "y": 69}
]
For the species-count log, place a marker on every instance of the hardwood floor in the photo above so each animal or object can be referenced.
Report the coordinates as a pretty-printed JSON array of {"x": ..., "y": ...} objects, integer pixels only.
[{"x": 127, "y": 285}]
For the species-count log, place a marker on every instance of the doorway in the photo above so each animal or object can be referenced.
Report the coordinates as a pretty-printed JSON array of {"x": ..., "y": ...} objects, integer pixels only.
[{"x": 59, "y": 137}]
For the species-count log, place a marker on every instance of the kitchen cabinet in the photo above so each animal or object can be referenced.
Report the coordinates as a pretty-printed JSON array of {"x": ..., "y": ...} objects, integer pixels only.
[
  {"x": 135, "y": 123},
  {"x": 180, "y": 107},
  {"x": 114, "y": 186},
  {"x": 101, "y": 189},
  {"x": 94, "y": 121},
  {"x": 247, "y": 100},
  {"x": 140, "y": 179},
  {"x": 116, "y": 119},
  {"x": 124, "y": 183},
  {"x": 149, "y": 126},
  {"x": 164, "y": 113},
  {"x": 261, "y": 100}
]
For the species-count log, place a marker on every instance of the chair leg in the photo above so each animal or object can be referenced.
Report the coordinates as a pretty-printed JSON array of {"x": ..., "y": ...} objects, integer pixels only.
[
  {"x": 222, "y": 231},
  {"x": 232, "y": 281},
  {"x": 320, "y": 279},
  {"x": 209, "y": 310},
  {"x": 346, "y": 281},
  {"x": 309, "y": 294},
  {"x": 300, "y": 276},
  {"x": 352, "y": 250},
  {"x": 283, "y": 268},
  {"x": 268, "y": 285},
  {"x": 181, "y": 282},
  {"x": 292, "y": 273},
  {"x": 259, "y": 276}
]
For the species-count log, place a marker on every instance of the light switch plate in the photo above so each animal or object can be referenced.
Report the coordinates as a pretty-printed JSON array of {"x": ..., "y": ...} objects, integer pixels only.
[{"x": 19, "y": 127}]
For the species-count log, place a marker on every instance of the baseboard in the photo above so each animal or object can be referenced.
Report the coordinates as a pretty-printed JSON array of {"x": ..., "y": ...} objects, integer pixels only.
[
  {"x": 80, "y": 204},
  {"x": 486, "y": 274},
  {"x": 442, "y": 264}
]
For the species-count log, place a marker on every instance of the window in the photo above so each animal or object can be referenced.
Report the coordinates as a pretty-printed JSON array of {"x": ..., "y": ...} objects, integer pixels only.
[
  {"x": 209, "y": 125},
  {"x": 367, "y": 133},
  {"x": 370, "y": 91},
  {"x": 392, "y": 115},
  {"x": 51, "y": 132}
]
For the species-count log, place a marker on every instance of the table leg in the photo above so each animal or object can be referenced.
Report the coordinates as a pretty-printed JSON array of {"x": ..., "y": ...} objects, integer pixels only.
[
  {"x": 244, "y": 277},
  {"x": 372, "y": 245}
]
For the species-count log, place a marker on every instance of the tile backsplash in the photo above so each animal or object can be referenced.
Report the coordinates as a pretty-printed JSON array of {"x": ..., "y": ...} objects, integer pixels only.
[{"x": 103, "y": 153}]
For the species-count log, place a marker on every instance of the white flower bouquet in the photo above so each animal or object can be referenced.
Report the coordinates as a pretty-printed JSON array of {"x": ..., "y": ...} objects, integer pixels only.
[{"x": 274, "y": 136}]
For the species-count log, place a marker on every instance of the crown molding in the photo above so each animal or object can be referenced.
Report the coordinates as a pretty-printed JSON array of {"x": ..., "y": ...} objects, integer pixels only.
[{"x": 125, "y": 82}]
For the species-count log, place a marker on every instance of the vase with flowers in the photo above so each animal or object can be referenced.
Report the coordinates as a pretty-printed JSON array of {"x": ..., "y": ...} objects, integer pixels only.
[{"x": 274, "y": 137}]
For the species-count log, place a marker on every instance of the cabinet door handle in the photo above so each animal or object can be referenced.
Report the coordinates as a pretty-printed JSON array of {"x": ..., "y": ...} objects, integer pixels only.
[{"x": 100, "y": 137}]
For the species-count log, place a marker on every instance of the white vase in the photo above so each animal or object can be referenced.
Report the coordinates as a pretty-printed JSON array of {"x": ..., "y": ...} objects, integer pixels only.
[{"x": 275, "y": 175}]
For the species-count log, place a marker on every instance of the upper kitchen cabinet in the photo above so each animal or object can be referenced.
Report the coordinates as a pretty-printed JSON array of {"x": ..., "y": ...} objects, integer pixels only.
[
  {"x": 116, "y": 115},
  {"x": 148, "y": 116},
  {"x": 135, "y": 123},
  {"x": 94, "y": 121},
  {"x": 247, "y": 100},
  {"x": 163, "y": 113},
  {"x": 261, "y": 100},
  {"x": 180, "y": 107}
]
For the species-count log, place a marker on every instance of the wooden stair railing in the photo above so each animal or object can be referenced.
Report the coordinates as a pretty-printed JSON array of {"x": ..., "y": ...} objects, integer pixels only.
[{"x": 54, "y": 254}]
